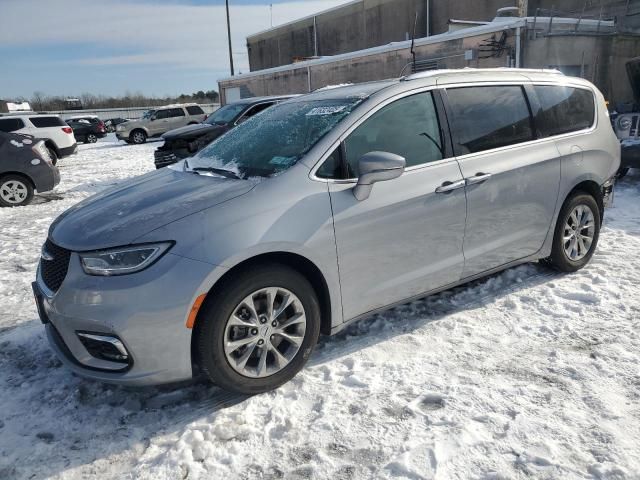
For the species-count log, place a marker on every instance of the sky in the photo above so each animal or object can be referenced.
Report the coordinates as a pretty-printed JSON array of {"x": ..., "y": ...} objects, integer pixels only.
[{"x": 111, "y": 47}]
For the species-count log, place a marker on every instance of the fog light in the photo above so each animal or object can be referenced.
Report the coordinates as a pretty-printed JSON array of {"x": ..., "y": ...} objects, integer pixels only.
[{"x": 104, "y": 347}]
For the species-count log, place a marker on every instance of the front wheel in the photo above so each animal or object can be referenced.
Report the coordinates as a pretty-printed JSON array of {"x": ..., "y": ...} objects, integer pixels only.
[
  {"x": 15, "y": 191},
  {"x": 258, "y": 331},
  {"x": 576, "y": 234},
  {"x": 138, "y": 137}
]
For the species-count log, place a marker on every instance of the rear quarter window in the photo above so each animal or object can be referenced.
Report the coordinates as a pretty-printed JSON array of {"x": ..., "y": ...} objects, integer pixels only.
[
  {"x": 563, "y": 109},
  {"x": 10, "y": 124},
  {"x": 44, "y": 122},
  {"x": 195, "y": 110}
]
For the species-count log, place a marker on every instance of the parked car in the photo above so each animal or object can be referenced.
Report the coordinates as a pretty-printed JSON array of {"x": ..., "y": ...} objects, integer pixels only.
[
  {"x": 319, "y": 212},
  {"x": 25, "y": 166},
  {"x": 186, "y": 141},
  {"x": 87, "y": 132},
  {"x": 627, "y": 124},
  {"x": 156, "y": 122},
  {"x": 112, "y": 123},
  {"x": 58, "y": 136}
]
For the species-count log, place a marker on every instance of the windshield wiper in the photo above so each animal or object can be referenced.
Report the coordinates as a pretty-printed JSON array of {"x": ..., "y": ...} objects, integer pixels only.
[{"x": 219, "y": 171}]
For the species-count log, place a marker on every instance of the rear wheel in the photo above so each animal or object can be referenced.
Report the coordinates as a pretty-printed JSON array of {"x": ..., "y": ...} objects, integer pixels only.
[
  {"x": 258, "y": 331},
  {"x": 53, "y": 155},
  {"x": 92, "y": 138},
  {"x": 576, "y": 234},
  {"x": 138, "y": 137},
  {"x": 15, "y": 191}
]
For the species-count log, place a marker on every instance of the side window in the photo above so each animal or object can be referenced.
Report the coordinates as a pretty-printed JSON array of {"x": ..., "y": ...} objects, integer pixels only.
[
  {"x": 195, "y": 110},
  {"x": 176, "y": 112},
  {"x": 257, "y": 109},
  {"x": 332, "y": 166},
  {"x": 563, "y": 109},
  {"x": 10, "y": 124},
  {"x": 488, "y": 117},
  {"x": 408, "y": 127},
  {"x": 160, "y": 114},
  {"x": 44, "y": 122}
]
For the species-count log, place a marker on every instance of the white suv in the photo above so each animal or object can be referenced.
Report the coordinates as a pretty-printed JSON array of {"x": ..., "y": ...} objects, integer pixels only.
[
  {"x": 58, "y": 136},
  {"x": 156, "y": 122}
]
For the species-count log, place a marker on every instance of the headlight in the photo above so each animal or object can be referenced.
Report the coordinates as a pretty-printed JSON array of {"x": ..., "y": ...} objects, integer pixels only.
[
  {"x": 121, "y": 261},
  {"x": 624, "y": 123}
]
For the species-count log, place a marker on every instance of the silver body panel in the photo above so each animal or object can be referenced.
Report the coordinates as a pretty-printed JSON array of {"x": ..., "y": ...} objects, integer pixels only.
[{"x": 402, "y": 242}]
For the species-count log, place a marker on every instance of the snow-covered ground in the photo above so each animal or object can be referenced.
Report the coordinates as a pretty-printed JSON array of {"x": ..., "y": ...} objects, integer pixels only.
[{"x": 529, "y": 373}]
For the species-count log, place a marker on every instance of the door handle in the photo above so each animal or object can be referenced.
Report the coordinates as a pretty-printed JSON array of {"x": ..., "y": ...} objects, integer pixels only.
[
  {"x": 447, "y": 187},
  {"x": 478, "y": 178}
]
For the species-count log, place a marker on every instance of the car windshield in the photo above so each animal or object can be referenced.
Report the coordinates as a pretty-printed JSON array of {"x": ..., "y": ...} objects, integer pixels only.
[
  {"x": 224, "y": 115},
  {"x": 148, "y": 114},
  {"x": 273, "y": 141}
]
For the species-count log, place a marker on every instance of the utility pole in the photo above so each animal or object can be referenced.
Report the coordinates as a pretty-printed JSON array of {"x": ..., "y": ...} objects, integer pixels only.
[{"x": 229, "y": 35}]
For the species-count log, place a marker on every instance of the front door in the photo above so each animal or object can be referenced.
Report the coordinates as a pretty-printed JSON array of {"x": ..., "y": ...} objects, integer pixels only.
[
  {"x": 405, "y": 239},
  {"x": 512, "y": 186}
]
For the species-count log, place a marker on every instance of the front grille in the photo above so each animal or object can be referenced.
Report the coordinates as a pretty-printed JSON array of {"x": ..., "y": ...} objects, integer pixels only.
[{"x": 54, "y": 264}]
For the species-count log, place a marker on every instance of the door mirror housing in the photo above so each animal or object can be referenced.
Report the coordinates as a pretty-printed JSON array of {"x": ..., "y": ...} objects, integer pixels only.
[{"x": 377, "y": 167}]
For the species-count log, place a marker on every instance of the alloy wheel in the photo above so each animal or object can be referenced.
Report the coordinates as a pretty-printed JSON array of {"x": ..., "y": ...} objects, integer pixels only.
[
  {"x": 265, "y": 332},
  {"x": 14, "y": 192},
  {"x": 579, "y": 231}
]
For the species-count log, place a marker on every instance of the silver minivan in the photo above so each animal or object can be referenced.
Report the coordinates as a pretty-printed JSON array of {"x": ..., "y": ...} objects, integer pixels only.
[{"x": 322, "y": 210}]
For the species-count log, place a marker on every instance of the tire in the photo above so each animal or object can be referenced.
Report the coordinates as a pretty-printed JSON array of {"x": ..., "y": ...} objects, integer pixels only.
[
  {"x": 212, "y": 329},
  {"x": 91, "y": 138},
  {"x": 560, "y": 259},
  {"x": 15, "y": 191},
  {"x": 138, "y": 137},
  {"x": 53, "y": 155},
  {"x": 623, "y": 172}
]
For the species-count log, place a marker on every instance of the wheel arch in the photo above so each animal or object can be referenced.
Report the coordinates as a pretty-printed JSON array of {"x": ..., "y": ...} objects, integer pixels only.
[
  {"x": 592, "y": 188},
  {"x": 293, "y": 260},
  {"x": 52, "y": 145},
  {"x": 19, "y": 174}
]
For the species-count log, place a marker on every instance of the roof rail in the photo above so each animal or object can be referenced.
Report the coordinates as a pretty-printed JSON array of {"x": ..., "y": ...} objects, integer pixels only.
[{"x": 433, "y": 73}]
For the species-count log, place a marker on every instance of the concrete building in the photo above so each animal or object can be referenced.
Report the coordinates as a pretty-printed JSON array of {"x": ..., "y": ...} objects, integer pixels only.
[
  {"x": 593, "y": 49},
  {"x": 363, "y": 24}
]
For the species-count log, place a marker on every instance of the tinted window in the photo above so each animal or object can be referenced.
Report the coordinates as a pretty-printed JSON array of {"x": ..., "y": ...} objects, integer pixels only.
[
  {"x": 44, "y": 122},
  {"x": 407, "y": 127},
  {"x": 257, "y": 109},
  {"x": 10, "y": 124},
  {"x": 489, "y": 117},
  {"x": 332, "y": 166},
  {"x": 160, "y": 114},
  {"x": 176, "y": 112},
  {"x": 195, "y": 110},
  {"x": 563, "y": 109}
]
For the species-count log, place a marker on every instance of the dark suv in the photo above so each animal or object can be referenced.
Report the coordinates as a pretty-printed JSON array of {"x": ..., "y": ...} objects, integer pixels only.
[{"x": 186, "y": 141}]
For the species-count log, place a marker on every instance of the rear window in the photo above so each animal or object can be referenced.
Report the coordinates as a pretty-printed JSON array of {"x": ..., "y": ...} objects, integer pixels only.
[
  {"x": 563, "y": 109},
  {"x": 195, "y": 110},
  {"x": 10, "y": 124},
  {"x": 489, "y": 117},
  {"x": 44, "y": 122}
]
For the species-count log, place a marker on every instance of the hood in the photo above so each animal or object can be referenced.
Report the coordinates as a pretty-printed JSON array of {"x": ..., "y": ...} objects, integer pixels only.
[
  {"x": 191, "y": 131},
  {"x": 120, "y": 215}
]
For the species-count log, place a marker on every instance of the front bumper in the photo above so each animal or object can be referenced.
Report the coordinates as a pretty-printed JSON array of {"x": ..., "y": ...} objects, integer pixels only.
[
  {"x": 164, "y": 158},
  {"x": 146, "y": 311}
]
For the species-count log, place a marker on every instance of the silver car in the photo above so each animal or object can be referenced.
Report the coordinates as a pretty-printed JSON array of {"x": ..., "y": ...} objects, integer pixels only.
[
  {"x": 158, "y": 121},
  {"x": 320, "y": 211}
]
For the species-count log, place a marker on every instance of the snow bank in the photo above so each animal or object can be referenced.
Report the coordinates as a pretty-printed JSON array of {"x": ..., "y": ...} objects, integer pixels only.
[{"x": 527, "y": 373}]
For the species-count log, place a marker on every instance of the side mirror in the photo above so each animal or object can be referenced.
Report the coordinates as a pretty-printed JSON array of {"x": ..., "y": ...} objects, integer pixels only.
[
  {"x": 153, "y": 118},
  {"x": 377, "y": 167}
]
